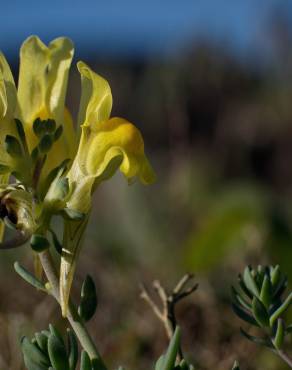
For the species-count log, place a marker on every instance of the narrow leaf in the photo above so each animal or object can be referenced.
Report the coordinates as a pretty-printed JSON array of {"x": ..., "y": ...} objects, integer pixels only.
[
  {"x": 170, "y": 356},
  {"x": 73, "y": 349},
  {"x": 85, "y": 363},
  {"x": 88, "y": 302},
  {"x": 28, "y": 277},
  {"x": 249, "y": 282},
  {"x": 260, "y": 313},
  {"x": 57, "y": 353}
]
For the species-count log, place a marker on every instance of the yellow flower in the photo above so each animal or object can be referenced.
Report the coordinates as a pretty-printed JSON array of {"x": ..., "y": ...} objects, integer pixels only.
[
  {"x": 42, "y": 85},
  {"x": 106, "y": 144},
  {"x": 37, "y": 136}
]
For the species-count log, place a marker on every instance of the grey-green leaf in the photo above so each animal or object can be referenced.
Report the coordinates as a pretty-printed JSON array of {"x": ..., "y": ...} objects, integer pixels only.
[
  {"x": 28, "y": 277},
  {"x": 34, "y": 358},
  {"x": 250, "y": 282},
  {"x": 73, "y": 349},
  {"x": 57, "y": 353}
]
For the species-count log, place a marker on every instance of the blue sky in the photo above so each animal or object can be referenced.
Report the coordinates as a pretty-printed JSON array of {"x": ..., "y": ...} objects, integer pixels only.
[{"x": 134, "y": 27}]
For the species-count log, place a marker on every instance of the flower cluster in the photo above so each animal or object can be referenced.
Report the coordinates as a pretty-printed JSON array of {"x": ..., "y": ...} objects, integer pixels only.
[{"x": 55, "y": 166}]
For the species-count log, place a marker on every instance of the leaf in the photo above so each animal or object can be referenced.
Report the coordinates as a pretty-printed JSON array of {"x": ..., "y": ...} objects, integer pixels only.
[
  {"x": 285, "y": 305},
  {"x": 85, "y": 363},
  {"x": 241, "y": 313},
  {"x": 261, "y": 341},
  {"x": 260, "y": 313},
  {"x": 250, "y": 282},
  {"x": 88, "y": 302},
  {"x": 159, "y": 363},
  {"x": 280, "y": 334},
  {"x": 238, "y": 299},
  {"x": 266, "y": 292},
  {"x": 170, "y": 356},
  {"x": 28, "y": 277},
  {"x": 57, "y": 353},
  {"x": 73, "y": 349},
  {"x": 34, "y": 358},
  {"x": 55, "y": 332},
  {"x": 42, "y": 341}
]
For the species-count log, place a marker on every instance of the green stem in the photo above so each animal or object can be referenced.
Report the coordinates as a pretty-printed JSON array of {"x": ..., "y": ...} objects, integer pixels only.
[{"x": 73, "y": 316}]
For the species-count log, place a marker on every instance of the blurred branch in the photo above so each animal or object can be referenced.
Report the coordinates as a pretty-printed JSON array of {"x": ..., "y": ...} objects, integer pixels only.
[{"x": 166, "y": 313}]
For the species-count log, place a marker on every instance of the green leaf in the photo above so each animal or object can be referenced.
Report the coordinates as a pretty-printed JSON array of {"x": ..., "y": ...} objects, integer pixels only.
[
  {"x": 184, "y": 365},
  {"x": 266, "y": 292},
  {"x": 275, "y": 275},
  {"x": 261, "y": 341},
  {"x": 250, "y": 282},
  {"x": 243, "y": 287},
  {"x": 284, "y": 306},
  {"x": 260, "y": 313},
  {"x": 42, "y": 341},
  {"x": 85, "y": 363},
  {"x": 57, "y": 353},
  {"x": 170, "y": 356},
  {"x": 34, "y": 358},
  {"x": 241, "y": 313},
  {"x": 280, "y": 287},
  {"x": 280, "y": 334},
  {"x": 73, "y": 349},
  {"x": 39, "y": 243},
  {"x": 159, "y": 363},
  {"x": 55, "y": 332},
  {"x": 238, "y": 299},
  {"x": 28, "y": 277},
  {"x": 88, "y": 302}
]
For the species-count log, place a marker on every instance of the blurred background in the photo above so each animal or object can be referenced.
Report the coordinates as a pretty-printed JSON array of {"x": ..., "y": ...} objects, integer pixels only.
[{"x": 209, "y": 83}]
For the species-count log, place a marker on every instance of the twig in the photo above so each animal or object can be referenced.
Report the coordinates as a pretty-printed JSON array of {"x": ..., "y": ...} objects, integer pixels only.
[{"x": 166, "y": 313}]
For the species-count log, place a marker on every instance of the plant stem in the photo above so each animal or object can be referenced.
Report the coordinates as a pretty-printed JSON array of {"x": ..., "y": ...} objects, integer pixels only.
[
  {"x": 73, "y": 316},
  {"x": 285, "y": 357}
]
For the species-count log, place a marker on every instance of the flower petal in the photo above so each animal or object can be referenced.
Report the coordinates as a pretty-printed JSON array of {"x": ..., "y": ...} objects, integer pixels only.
[
  {"x": 8, "y": 94},
  {"x": 43, "y": 78},
  {"x": 8, "y": 103},
  {"x": 103, "y": 149},
  {"x": 96, "y": 97}
]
